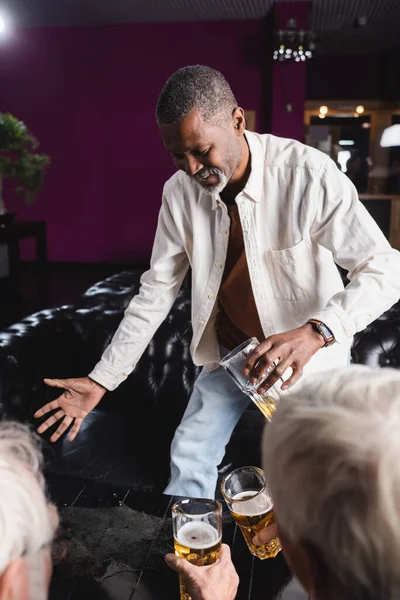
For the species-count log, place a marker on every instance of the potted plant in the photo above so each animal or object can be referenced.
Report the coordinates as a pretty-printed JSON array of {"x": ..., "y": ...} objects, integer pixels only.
[{"x": 19, "y": 161}]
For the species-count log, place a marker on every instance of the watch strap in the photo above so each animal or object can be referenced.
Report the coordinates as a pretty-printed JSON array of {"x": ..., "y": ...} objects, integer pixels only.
[{"x": 323, "y": 330}]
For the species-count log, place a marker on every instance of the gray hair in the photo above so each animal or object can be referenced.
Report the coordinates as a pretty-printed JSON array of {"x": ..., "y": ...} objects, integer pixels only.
[
  {"x": 196, "y": 87},
  {"x": 332, "y": 459},
  {"x": 26, "y": 524}
]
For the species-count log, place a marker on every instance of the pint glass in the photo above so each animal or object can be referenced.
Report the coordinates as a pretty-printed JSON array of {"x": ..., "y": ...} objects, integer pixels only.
[
  {"x": 197, "y": 527},
  {"x": 246, "y": 493},
  {"x": 234, "y": 363}
]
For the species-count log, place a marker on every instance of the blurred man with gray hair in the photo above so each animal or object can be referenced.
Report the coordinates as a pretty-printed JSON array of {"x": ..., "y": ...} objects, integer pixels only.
[
  {"x": 331, "y": 458},
  {"x": 27, "y": 521}
]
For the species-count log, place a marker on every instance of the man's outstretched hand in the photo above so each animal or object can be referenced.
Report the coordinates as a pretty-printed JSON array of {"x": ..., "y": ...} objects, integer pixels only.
[{"x": 80, "y": 396}]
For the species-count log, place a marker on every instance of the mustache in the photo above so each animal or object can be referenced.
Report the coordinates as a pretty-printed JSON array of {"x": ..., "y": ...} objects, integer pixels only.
[{"x": 204, "y": 173}]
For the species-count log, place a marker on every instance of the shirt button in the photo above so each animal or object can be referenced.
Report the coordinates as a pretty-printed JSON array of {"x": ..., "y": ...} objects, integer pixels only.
[
  {"x": 219, "y": 266},
  {"x": 224, "y": 231},
  {"x": 201, "y": 323},
  {"x": 211, "y": 296}
]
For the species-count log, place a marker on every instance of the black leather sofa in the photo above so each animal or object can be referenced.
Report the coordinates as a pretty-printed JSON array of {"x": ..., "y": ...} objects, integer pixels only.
[{"x": 127, "y": 438}]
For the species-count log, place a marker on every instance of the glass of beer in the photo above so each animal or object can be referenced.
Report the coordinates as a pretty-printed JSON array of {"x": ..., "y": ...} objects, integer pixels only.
[
  {"x": 246, "y": 493},
  {"x": 197, "y": 526},
  {"x": 234, "y": 363}
]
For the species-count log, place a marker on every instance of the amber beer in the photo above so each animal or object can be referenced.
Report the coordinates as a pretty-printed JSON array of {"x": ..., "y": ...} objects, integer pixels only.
[
  {"x": 265, "y": 403},
  {"x": 197, "y": 527},
  {"x": 252, "y": 513},
  {"x": 249, "y": 500},
  {"x": 199, "y": 543}
]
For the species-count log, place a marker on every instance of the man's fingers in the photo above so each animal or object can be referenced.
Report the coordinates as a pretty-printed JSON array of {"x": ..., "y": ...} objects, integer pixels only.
[
  {"x": 180, "y": 565},
  {"x": 47, "y": 408},
  {"x": 265, "y": 535},
  {"x": 76, "y": 427},
  {"x": 51, "y": 420},
  {"x": 61, "y": 428},
  {"x": 274, "y": 376},
  {"x": 295, "y": 376},
  {"x": 58, "y": 383},
  {"x": 255, "y": 355},
  {"x": 225, "y": 553}
]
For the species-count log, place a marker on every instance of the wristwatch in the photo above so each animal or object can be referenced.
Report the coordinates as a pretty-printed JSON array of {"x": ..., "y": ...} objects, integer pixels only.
[{"x": 324, "y": 331}]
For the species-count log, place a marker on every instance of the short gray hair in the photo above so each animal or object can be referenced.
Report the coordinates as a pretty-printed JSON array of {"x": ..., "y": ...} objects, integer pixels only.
[
  {"x": 195, "y": 87},
  {"x": 332, "y": 459},
  {"x": 26, "y": 526}
]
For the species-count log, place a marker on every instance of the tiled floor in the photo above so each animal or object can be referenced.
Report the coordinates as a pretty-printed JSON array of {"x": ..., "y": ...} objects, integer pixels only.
[{"x": 113, "y": 542}]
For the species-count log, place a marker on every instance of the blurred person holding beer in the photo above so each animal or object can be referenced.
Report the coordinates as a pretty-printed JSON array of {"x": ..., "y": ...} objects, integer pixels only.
[
  {"x": 331, "y": 459},
  {"x": 261, "y": 222}
]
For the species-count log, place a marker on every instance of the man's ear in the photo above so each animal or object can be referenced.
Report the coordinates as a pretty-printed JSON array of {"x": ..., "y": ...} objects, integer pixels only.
[
  {"x": 14, "y": 583},
  {"x": 238, "y": 121}
]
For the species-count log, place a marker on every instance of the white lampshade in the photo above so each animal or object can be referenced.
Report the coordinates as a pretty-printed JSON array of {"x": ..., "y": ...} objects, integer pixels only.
[{"x": 391, "y": 136}]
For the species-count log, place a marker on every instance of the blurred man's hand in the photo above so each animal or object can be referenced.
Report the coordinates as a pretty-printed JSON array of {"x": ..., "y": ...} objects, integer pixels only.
[
  {"x": 266, "y": 535},
  {"x": 214, "y": 582}
]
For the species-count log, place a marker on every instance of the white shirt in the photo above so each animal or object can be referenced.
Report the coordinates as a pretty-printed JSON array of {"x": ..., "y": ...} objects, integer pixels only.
[{"x": 299, "y": 215}]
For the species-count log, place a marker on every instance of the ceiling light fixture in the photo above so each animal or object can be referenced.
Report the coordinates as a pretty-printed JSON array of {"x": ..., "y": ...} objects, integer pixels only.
[
  {"x": 2, "y": 25},
  {"x": 360, "y": 109},
  {"x": 292, "y": 44},
  {"x": 323, "y": 110},
  {"x": 346, "y": 142}
]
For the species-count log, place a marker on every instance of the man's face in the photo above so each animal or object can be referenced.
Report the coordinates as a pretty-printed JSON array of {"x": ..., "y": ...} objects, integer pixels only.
[{"x": 209, "y": 154}]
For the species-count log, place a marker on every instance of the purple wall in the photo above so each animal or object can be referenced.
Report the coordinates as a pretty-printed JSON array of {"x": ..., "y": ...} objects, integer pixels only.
[
  {"x": 88, "y": 94},
  {"x": 289, "y": 78}
]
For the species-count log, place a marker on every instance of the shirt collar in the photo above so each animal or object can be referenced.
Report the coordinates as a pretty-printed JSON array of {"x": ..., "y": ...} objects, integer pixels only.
[{"x": 253, "y": 187}]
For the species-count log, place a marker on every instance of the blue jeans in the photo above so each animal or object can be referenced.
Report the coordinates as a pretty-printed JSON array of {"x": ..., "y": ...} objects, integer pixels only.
[{"x": 198, "y": 447}]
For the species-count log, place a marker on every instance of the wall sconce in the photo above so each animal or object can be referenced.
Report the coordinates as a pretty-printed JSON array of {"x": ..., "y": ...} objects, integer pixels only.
[
  {"x": 323, "y": 111},
  {"x": 292, "y": 44}
]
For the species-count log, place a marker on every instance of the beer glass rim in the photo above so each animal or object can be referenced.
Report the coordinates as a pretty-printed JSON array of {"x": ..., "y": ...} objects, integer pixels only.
[
  {"x": 228, "y": 498},
  {"x": 238, "y": 349},
  {"x": 177, "y": 506}
]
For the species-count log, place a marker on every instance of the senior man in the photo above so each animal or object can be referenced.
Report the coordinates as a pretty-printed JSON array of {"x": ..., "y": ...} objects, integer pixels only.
[
  {"x": 331, "y": 458},
  {"x": 261, "y": 221},
  {"x": 27, "y": 521}
]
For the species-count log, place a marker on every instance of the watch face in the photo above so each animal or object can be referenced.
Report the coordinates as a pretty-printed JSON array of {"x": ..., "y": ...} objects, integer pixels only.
[{"x": 325, "y": 331}]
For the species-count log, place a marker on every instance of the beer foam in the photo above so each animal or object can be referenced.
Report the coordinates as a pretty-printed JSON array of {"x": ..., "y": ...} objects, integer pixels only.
[
  {"x": 256, "y": 505},
  {"x": 197, "y": 535}
]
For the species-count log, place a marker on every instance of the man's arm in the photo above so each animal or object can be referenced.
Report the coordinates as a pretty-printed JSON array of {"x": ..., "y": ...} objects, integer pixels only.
[
  {"x": 343, "y": 226},
  {"x": 146, "y": 311}
]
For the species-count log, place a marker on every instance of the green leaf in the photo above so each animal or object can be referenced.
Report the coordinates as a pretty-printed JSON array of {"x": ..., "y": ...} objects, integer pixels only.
[{"x": 17, "y": 159}]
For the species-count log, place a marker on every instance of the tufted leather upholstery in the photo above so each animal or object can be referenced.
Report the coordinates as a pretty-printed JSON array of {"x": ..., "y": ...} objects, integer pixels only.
[{"x": 127, "y": 438}]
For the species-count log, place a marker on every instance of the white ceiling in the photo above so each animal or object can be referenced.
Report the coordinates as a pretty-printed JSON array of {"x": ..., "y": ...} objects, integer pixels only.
[{"x": 332, "y": 20}]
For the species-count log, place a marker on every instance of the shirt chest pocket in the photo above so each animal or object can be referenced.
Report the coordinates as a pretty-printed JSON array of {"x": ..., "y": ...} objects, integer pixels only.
[{"x": 292, "y": 271}]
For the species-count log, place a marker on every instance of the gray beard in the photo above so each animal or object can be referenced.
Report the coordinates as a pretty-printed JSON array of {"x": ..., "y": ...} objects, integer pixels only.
[{"x": 213, "y": 190}]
